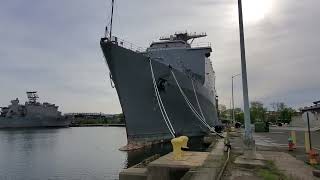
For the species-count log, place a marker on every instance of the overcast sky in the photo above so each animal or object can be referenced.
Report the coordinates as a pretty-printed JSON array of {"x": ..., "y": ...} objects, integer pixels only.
[{"x": 53, "y": 47}]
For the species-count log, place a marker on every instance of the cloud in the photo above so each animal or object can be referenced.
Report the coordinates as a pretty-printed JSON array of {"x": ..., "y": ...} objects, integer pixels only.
[{"x": 53, "y": 47}]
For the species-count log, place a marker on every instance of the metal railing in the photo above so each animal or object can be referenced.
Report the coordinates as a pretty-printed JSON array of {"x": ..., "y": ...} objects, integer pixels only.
[
  {"x": 126, "y": 44},
  {"x": 133, "y": 47},
  {"x": 201, "y": 44}
]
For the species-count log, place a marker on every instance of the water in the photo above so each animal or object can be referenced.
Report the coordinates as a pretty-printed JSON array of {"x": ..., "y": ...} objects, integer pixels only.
[
  {"x": 78, "y": 153},
  {"x": 65, "y": 153}
]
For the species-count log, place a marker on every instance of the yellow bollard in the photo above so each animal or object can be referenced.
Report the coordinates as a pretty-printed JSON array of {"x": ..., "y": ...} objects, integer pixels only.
[
  {"x": 307, "y": 142},
  {"x": 294, "y": 139},
  {"x": 185, "y": 140},
  {"x": 176, "y": 145}
]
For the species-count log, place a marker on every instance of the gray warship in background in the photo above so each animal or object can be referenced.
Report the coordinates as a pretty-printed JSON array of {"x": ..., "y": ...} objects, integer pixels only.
[
  {"x": 172, "y": 70},
  {"x": 31, "y": 114}
]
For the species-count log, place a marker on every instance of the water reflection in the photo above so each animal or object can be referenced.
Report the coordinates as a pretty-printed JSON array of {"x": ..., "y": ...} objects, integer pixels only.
[{"x": 70, "y": 153}]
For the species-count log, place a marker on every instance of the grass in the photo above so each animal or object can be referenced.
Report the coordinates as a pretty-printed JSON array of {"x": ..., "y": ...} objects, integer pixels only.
[
  {"x": 317, "y": 166},
  {"x": 271, "y": 172}
]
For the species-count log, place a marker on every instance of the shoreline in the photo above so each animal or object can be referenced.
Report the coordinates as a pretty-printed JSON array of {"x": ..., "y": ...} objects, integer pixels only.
[{"x": 97, "y": 125}]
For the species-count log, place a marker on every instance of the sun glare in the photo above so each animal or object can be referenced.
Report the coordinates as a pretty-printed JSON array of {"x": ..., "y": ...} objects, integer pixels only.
[{"x": 256, "y": 10}]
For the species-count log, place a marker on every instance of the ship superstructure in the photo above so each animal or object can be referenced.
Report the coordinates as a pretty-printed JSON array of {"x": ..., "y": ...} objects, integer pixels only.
[
  {"x": 31, "y": 114},
  {"x": 170, "y": 84}
]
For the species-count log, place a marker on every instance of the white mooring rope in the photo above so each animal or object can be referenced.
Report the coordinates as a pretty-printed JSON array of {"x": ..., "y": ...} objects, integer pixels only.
[
  {"x": 195, "y": 94},
  {"x": 160, "y": 103},
  {"x": 202, "y": 120}
]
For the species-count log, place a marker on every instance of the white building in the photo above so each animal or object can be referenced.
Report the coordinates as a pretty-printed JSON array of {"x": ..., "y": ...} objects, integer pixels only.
[{"x": 314, "y": 116}]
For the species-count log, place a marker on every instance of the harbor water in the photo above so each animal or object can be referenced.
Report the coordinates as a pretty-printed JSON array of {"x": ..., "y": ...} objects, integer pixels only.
[
  {"x": 62, "y": 153},
  {"x": 78, "y": 153}
]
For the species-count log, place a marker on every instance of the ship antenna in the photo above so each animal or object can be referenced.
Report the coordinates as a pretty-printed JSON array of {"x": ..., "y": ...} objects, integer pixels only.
[{"x": 111, "y": 19}]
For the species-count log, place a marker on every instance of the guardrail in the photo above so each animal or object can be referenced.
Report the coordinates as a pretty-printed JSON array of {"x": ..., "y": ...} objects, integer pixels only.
[
  {"x": 201, "y": 44},
  {"x": 128, "y": 45}
]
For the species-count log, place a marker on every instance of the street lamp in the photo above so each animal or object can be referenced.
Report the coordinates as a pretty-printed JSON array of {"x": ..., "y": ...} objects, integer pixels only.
[
  {"x": 233, "y": 76},
  {"x": 248, "y": 140}
]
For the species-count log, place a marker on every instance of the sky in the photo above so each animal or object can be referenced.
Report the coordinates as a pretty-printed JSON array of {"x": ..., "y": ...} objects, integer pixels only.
[{"x": 53, "y": 47}]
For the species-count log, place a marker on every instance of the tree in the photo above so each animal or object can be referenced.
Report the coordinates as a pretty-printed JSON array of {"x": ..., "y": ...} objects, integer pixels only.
[
  {"x": 282, "y": 112},
  {"x": 222, "y": 107},
  {"x": 286, "y": 114},
  {"x": 224, "y": 112},
  {"x": 239, "y": 115},
  {"x": 271, "y": 116},
  {"x": 257, "y": 111}
]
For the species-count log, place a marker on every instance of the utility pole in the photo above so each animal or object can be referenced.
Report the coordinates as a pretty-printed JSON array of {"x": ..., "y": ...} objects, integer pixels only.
[
  {"x": 233, "y": 76},
  {"x": 248, "y": 140}
]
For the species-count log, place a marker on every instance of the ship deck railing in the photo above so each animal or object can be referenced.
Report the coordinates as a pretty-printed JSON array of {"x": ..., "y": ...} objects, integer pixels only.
[
  {"x": 201, "y": 45},
  {"x": 127, "y": 45},
  {"x": 133, "y": 47}
]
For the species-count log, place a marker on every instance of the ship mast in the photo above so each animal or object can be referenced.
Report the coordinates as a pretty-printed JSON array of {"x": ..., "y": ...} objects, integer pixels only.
[
  {"x": 32, "y": 96},
  {"x": 111, "y": 19}
]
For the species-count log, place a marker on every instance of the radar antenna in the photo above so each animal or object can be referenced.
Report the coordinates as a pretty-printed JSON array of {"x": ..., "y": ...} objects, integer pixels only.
[
  {"x": 184, "y": 36},
  {"x": 32, "y": 96}
]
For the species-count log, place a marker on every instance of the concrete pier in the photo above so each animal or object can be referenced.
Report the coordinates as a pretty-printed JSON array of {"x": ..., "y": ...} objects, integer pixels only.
[
  {"x": 166, "y": 168},
  {"x": 193, "y": 166},
  {"x": 211, "y": 167},
  {"x": 133, "y": 174}
]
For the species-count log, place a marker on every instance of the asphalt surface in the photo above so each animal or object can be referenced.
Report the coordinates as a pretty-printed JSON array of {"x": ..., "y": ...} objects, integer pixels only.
[{"x": 280, "y": 138}]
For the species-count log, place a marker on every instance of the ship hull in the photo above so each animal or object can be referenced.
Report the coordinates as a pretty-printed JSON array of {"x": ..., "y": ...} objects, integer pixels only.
[
  {"x": 30, "y": 122},
  {"x": 133, "y": 81}
]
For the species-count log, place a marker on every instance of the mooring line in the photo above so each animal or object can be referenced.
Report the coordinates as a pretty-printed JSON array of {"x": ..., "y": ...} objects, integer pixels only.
[
  {"x": 160, "y": 103},
  {"x": 202, "y": 120},
  {"x": 195, "y": 94},
  {"x": 189, "y": 103}
]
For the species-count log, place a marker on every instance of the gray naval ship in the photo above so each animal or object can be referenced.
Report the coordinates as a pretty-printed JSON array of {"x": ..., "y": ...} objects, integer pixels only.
[
  {"x": 166, "y": 90},
  {"x": 31, "y": 114}
]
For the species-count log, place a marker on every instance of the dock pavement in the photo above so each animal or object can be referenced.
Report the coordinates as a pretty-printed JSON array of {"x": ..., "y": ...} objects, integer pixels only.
[{"x": 278, "y": 162}]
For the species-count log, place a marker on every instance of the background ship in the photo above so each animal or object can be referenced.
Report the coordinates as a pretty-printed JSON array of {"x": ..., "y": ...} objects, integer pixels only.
[
  {"x": 172, "y": 70},
  {"x": 31, "y": 114}
]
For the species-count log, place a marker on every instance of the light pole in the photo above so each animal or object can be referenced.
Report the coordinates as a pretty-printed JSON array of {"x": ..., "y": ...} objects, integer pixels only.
[
  {"x": 233, "y": 76},
  {"x": 248, "y": 140}
]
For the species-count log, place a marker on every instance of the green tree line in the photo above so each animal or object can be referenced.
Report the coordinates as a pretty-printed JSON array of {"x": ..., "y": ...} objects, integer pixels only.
[
  {"x": 279, "y": 112},
  {"x": 115, "y": 119}
]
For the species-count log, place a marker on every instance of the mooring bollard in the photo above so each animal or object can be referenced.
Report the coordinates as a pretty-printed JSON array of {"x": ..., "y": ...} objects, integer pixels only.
[
  {"x": 184, "y": 146},
  {"x": 294, "y": 139},
  {"x": 185, "y": 140},
  {"x": 176, "y": 146},
  {"x": 306, "y": 142}
]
